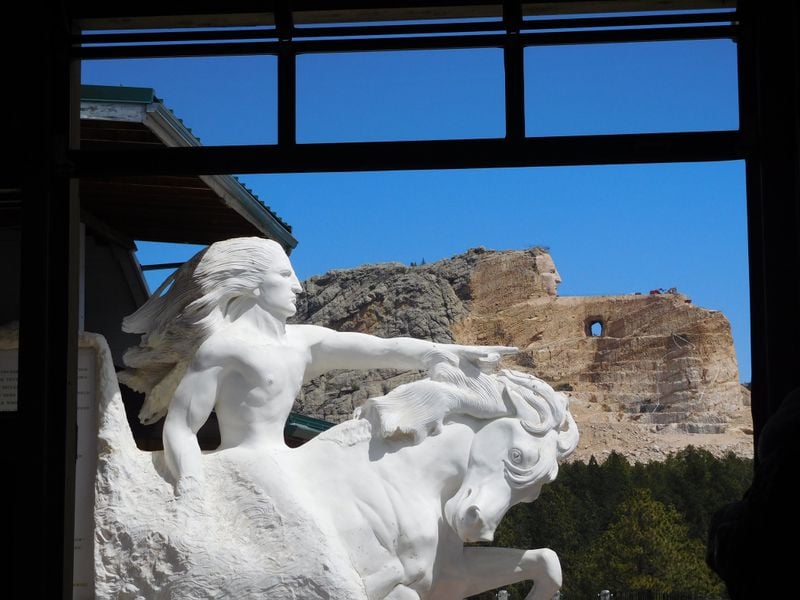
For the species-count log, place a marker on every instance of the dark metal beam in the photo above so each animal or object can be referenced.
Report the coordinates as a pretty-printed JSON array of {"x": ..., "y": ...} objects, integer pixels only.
[
  {"x": 287, "y": 97},
  {"x": 267, "y": 33},
  {"x": 42, "y": 530},
  {"x": 383, "y": 156},
  {"x": 444, "y": 42},
  {"x": 287, "y": 76},
  {"x": 161, "y": 266},
  {"x": 170, "y": 13},
  {"x": 769, "y": 67},
  {"x": 204, "y": 35},
  {"x": 514, "y": 70}
]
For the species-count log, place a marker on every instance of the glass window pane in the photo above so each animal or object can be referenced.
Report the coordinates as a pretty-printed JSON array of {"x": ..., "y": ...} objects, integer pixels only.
[
  {"x": 223, "y": 101},
  {"x": 413, "y": 95},
  {"x": 610, "y": 229},
  {"x": 631, "y": 88}
]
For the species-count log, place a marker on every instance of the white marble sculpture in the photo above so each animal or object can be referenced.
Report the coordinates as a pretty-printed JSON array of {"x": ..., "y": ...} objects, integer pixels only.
[{"x": 375, "y": 508}]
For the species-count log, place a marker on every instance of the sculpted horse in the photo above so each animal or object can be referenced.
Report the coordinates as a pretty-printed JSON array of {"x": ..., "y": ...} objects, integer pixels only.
[
  {"x": 407, "y": 501},
  {"x": 375, "y": 508}
]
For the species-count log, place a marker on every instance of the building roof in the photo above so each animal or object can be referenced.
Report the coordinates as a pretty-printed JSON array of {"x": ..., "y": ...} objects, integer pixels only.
[
  {"x": 189, "y": 209},
  {"x": 301, "y": 428}
]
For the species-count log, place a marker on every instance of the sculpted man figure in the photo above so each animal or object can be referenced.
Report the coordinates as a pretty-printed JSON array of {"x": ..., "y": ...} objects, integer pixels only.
[{"x": 215, "y": 337}]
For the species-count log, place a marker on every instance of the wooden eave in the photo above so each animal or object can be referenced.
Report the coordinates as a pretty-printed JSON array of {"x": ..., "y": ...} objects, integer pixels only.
[{"x": 182, "y": 209}]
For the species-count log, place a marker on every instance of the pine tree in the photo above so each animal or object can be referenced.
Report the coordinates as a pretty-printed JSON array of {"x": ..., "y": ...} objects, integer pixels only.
[{"x": 647, "y": 548}]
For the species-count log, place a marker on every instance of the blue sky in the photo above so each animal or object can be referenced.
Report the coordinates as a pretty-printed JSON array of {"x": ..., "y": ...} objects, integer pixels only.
[{"x": 610, "y": 229}]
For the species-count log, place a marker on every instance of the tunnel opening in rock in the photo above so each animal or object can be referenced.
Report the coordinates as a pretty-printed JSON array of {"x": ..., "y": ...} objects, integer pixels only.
[{"x": 594, "y": 328}]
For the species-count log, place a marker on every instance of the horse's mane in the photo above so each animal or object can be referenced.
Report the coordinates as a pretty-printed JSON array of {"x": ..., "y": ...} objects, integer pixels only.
[
  {"x": 540, "y": 408},
  {"x": 416, "y": 410}
]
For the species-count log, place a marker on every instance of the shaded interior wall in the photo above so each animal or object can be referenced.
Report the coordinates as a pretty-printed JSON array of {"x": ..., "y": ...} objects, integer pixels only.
[
  {"x": 9, "y": 311},
  {"x": 113, "y": 289}
]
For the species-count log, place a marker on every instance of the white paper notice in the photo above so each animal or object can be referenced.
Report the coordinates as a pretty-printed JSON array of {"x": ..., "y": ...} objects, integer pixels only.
[
  {"x": 8, "y": 380},
  {"x": 85, "y": 466}
]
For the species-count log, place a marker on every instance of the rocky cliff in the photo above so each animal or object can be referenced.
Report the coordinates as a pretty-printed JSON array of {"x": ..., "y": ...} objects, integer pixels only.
[{"x": 646, "y": 373}]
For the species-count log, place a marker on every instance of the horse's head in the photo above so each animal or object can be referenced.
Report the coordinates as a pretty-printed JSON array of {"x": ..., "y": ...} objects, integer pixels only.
[{"x": 512, "y": 457}]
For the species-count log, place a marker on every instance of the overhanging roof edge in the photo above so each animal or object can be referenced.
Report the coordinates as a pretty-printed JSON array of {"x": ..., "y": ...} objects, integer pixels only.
[
  {"x": 168, "y": 127},
  {"x": 249, "y": 208},
  {"x": 297, "y": 421},
  {"x": 174, "y": 134},
  {"x": 233, "y": 194}
]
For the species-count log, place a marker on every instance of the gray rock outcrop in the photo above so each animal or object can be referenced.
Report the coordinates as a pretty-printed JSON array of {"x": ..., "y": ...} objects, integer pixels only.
[{"x": 656, "y": 358}]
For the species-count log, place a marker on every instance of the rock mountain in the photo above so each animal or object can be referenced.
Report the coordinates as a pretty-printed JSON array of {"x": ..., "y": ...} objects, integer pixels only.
[{"x": 647, "y": 374}]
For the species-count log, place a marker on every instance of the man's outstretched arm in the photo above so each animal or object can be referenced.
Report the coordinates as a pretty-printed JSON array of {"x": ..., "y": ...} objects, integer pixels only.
[{"x": 349, "y": 350}]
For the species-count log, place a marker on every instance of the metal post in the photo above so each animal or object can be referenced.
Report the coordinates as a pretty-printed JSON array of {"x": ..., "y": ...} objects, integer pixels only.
[
  {"x": 287, "y": 77},
  {"x": 768, "y": 67},
  {"x": 44, "y": 512},
  {"x": 513, "y": 60}
]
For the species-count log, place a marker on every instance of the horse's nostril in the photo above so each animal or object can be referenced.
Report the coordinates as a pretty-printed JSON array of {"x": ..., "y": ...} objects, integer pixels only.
[{"x": 473, "y": 513}]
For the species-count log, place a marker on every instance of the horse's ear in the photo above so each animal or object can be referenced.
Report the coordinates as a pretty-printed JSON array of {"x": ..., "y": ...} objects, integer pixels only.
[
  {"x": 511, "y": 409},
  {"x": 531, "y": 418},
  {"x": 519, "y": 406}
]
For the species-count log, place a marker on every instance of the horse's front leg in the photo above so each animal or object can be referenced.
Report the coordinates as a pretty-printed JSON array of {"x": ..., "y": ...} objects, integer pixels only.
[
  {"x": 489, "y": 568},
  {"x": 387, "y": 584},
  {"x": 402, "y": 592}
]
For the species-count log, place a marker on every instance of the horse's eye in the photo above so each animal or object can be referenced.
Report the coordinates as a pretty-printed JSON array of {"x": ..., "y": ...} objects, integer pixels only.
[{"x": 515, "y": 456}]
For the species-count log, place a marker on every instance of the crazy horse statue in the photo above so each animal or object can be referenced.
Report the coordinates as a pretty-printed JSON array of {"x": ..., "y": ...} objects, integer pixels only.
[{"x": 378, "y": 507}]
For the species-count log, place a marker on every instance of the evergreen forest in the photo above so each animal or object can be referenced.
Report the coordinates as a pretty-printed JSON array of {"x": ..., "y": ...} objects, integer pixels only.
[{"x": 636, "y": 530}]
